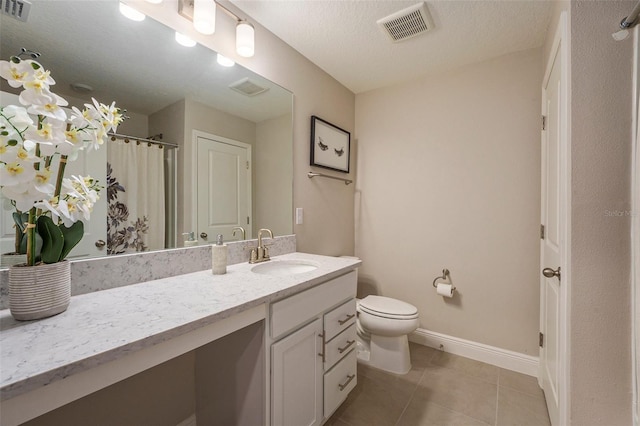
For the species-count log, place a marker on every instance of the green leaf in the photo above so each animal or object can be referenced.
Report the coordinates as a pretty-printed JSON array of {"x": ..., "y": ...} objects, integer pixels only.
[
  {"x": 15, "y": 59},
  {"x": 72, "y": 236},
  {"x": 52, "y": 239},
  {"x": 12, "y": 142},
  {"x": 23, "y": 244}
]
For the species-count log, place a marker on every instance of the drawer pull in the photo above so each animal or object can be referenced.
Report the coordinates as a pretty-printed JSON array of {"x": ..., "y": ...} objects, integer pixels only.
[
  {"x": 349, "y": 379},
  {"x": 349, "y": 343},
  {"x": 346, "y": 320}
]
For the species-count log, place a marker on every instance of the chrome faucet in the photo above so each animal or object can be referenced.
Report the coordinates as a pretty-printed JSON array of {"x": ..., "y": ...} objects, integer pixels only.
[
  {"x": 241, "y": 229},
  {"x": 260, "y": 253}
]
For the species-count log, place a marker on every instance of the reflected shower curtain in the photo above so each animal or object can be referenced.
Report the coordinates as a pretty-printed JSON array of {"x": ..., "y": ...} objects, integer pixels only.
[{"x": 135, "y": 191}]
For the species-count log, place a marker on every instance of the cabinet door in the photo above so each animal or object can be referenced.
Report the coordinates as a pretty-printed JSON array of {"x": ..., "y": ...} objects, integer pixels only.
[{"x": 297, "y": 377}]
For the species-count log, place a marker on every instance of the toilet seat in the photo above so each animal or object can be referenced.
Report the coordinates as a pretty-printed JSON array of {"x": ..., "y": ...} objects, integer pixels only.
[{"x": 386, "y": 307}]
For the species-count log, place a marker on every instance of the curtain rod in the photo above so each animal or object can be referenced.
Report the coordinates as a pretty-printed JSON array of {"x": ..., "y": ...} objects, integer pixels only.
[
  {"x": 631, "y": 20},
  {"x": 153, "y": 141}
]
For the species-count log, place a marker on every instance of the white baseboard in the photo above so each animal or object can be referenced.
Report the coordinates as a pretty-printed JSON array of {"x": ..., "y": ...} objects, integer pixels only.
[
  {"x": 509, "y": 360},
  {"x": 189, "y": 421}
]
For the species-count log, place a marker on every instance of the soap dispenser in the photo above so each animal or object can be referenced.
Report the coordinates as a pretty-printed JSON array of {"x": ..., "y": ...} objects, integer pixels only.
[
  {"x": 219, "y": 257},
  {"x": 191, "y": 240}
]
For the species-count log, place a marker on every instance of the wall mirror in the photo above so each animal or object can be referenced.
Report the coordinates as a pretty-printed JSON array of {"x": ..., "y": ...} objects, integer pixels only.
[{"x": 232, "y": 128}]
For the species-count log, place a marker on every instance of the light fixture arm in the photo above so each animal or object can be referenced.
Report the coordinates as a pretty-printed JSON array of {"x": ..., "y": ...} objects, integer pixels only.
[{"x": 228, "y": 12}]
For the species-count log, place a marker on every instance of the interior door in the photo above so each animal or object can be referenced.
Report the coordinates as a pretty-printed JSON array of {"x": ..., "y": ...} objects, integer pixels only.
[
  {"x": 552, "y": 235},
  {"x": 224, "y": 188},
  {"x": 92, "y": 163}
]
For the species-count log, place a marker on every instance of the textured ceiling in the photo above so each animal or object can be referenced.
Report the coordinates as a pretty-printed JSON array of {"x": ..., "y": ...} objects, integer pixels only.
[{"x": 342, "y": 37}]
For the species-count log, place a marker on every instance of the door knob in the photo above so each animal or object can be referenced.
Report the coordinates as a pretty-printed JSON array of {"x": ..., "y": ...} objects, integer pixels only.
[
  {"x": 203, "y": 235},
  {"x": 100, "y": 243},
  {"x": 550, "y": 273}
]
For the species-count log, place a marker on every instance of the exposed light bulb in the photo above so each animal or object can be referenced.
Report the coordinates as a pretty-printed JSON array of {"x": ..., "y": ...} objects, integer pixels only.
[
  {"x": 154, "y": 1},
  {"x": 224, "y": 61},
  {"x": 204, "y": 16},
  {"x": 131, "y": 13},
  {"x": 184, "y": 40},
  {"x": 245, "y": 43}
]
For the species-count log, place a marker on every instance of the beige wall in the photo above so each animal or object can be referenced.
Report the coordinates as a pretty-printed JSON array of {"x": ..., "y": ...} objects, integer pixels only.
[
  {"x": 163, "y": 395},
  {"x": 600, "y": 243},
  {"x": 328, "y": 205},
  {"x": 272, "y": 173},
  {"x": 449, "y": 177}
]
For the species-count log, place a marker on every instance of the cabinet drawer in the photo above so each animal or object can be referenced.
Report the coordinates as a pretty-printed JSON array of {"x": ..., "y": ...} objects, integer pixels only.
[
  {"x": 338, "y": 382},
  {"x": 339, "y": 346},
  {"x": 296, "y": 310},
  {"x": 339, "y": 319}
]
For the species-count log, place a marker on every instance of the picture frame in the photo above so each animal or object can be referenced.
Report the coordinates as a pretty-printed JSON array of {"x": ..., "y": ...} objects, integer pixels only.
[{"x": 330, "y": 146}]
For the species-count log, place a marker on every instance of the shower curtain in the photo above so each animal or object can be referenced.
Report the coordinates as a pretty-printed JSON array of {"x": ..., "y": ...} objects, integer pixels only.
[{"x": 136, "y": 196}]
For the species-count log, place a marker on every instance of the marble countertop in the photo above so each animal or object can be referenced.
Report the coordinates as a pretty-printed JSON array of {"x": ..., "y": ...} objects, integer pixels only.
[{"x": 103, "y": 326}]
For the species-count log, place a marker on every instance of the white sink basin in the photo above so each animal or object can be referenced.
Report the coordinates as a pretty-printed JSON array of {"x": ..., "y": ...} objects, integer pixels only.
[{"x": 284, "y": 267}]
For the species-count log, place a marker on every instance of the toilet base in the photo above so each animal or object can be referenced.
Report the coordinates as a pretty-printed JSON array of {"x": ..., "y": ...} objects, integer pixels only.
[{"x": 390, "y": 354}]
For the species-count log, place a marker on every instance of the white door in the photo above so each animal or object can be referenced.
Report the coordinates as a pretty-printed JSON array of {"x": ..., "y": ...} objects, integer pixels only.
[
  {"x": 553, "y": 205},
  {"x": 92, "y": 163},
  {"x": 224, "y": 188},
  {"x": 296, "y": 382}
]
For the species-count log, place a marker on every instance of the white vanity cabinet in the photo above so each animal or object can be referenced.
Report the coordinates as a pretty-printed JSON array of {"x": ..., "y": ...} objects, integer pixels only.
[{"x": 313, "y": 358}]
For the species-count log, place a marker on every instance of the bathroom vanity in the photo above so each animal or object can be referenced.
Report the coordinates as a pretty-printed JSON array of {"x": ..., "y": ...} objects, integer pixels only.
[{"x": 273, "y": 347}]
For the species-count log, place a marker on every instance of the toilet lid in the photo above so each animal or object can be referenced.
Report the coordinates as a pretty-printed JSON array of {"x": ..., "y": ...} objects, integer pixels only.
[{"x": 388, "y": 307}]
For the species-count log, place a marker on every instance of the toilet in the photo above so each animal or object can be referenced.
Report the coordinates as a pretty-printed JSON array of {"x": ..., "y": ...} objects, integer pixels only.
[{"x": 383, "y": 325}]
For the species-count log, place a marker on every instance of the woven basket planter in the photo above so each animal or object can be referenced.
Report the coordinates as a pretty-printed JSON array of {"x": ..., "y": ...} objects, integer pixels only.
[{"x": 39, "y": 291}]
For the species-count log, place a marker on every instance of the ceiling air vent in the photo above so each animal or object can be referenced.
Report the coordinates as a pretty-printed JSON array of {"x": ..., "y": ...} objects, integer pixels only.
[
  {"x": 247, "y": 87},
  {"x": 18, "y": 9},
  {"x": 407, "y": 23}
]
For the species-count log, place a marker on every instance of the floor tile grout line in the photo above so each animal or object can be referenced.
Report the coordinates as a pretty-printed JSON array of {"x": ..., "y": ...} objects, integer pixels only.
[{"x": 406, "y": 406}]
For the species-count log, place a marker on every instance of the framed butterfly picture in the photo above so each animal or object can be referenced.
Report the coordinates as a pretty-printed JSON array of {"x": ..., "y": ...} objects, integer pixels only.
[{"x": 330, "y": 145}]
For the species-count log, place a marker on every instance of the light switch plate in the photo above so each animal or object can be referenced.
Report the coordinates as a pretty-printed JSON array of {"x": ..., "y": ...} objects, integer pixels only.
[{"x": 299, "y": 216}]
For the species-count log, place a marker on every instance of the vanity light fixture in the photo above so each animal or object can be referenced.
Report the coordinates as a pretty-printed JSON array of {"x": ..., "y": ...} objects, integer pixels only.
[
  {"x": 245, "y": 40},
  {"x": 184, "y": 40},
  {"x": 154, "y": 1},
  {"x": 131, "y": 13},
  {"x": 194, "y": 10},
  {"x": 224, "y": 61},
  {"x": 204, "y": 16}
]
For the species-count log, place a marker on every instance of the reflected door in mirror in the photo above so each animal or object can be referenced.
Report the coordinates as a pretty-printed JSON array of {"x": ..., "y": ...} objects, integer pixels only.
[{"x": 224, "y": 187}]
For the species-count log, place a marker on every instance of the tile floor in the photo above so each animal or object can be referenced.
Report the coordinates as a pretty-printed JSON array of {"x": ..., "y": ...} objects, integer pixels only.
[{"x": 442, "y": 389}]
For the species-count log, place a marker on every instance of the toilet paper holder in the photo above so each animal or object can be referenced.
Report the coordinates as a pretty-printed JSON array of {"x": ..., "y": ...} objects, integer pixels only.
[{"x": 445, "y": 276}]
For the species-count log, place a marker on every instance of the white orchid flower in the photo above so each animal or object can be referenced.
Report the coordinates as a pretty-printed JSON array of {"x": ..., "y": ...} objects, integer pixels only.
[
  {"x": 25, "y": 195},
  {"x": 17, "y": 154},
  {"x": 16, "y": 173},
  {"x": 78, "y": 118},
  {"x": 51, "y": 109},
  {"x": 16, "y": 73},
  {"x": 13, "y": 117},
  {"x": 49, "y": 135},
  {"x": 42, "y": 181},
  {"x": 58, "y": 208}
]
